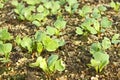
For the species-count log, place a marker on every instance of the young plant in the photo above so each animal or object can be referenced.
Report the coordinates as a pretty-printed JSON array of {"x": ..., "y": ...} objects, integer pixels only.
[
  {"x": 5, "y": 35},
  {"x": 93, "y": 23},
  {"x": 97, "y": 11},
  {"x": 18, "y": 8},
  {"x": 49, "y": 66},
  {"x": 5, "y": 50},
  {"x": 36, "y": 11},
  {"x": 47, "y": 41},
  {"x": 93, "y": 26},
  {"x": 60, "y": 24},
  {"x": 99, "y": 61},
  {"x": 53, "y": 6},
  {"x": 29, "y": 44},
  {"x": 72, "y": 6},
  {"x": 2, "y": 3},
  {"x": 85, "y": 11},
  {"x": 26, "y": 43},
  {"x": 115, "y": 5},
  {"x": 100, "y": 57},
  {"x": 40, "y": 42}
]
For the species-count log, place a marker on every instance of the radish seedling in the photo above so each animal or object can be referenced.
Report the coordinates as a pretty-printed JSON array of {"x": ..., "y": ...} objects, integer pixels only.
[
  {"x": 100, "y": 57},
  {"x": 49, "y": 66}
]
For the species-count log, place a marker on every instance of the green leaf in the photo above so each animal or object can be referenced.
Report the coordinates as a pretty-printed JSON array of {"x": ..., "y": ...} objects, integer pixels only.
[
  {"x": 51, "y": 30},
  {"x": 102, "y": 8},
  {"x": 54, "y": 46},
  {"x": 96, "y": 10},
  {"x": 92, "y": 30},
  {"x": 95, "y": 47},
  {"x": 75, "y": 7},
  {"x": 96, "y": 13},
  {"x": 60, "y": 24},
  {"x": 105, "y": 23},
  {"x": 32, "y": 2},
  {"x": 47, "y": 42},
  {"x": 68, "y": 9},
  {"x": 2, "y": 49},
  {"x": 59, "y": 65},
  {"x": 1, "y": 5},
  {"x": 7, "y": 47},
  {"x": 40, "y": 8},
  {"x": 115, "y": 5},
  {"x": 103, "y": 58},
  {"x": 51, "y": 62},
  {"x": 106, "y": 43},
  {"x": 37, "y": 63},
  {"x": 60, "y": 42},
  {"x": 28, "y": 12},
  {"x": 81, "y": 13},
  {"x": 55, "y": 7},
  {"x": 85, "y": 10},
  {"x": 44, "y": 1},
  {"x": 5, "y": 35},
  {"x": 40, "y": 62},
  {"x": 1, "y": 42},
  {"x": 21, "y": 17},
  {"x": 31, "y": 8},
  {"x": 96, "y": 25},
  {"x": 48, "y": 5},
  {"x": 46, "y": 12},
  {"x": 39, "y": 47},
  {"x": 79, "y": 30},
  {"x": 38, "y": 16},
  {"x": 37, "y": 23},
  {"x": 27, "y": 43},
  {"x": 112, "y": 4},
  {"x": 115, "y": 38},
  {"x": 19, "y": 8},
  {"x": 40, "y": 36},
  {"x": 14, "y": 2},
  {"x": 94, "y": 63},
  {"x": 100, "y": 61},
  {"x": 87, "y": 23},
  {"x": 99, "y": 56},
  {"x": 18, "y": 40},
  {"x": 62, "y": 2},
  {"x": 71, "y": 2},
  {"x": 43, "y": 65}
]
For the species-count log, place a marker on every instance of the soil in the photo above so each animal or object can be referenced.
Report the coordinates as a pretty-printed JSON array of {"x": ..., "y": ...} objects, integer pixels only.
[{"x": 75, "y": 53}]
